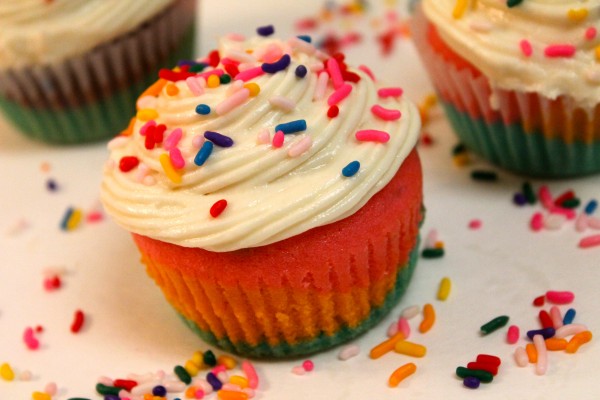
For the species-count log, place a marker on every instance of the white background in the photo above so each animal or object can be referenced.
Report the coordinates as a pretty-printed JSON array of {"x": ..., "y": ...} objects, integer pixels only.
[{"x": 498, "y": 269}]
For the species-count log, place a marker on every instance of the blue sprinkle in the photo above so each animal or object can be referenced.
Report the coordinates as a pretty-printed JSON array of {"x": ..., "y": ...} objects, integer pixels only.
[
  {"x": 306, "y": 38},
  {"x": 266, "y": 30},
  {"x": 591, "y": 207},
  {"x": 203, "y": 109},
  {"x": 111, "y": 397},
  {"x": 546, "y": 333},
  {"x": 214, "y": 381},
  {"x": 51, "y": 185},
  {"x": 301, "y": 71},
  {"x": 471, "y": 382},
  {"x": 519, "y": 199},
  {"x": 351, "y": 169},
  {"x": 159, "y": 390},
  {"x": 298, "y": 125},
  {"x": 203, "y": 153},
  {"x": 66, "y": 218},
  {"x": 569, "y": 316},
  {"x": 218, "y": 139},
  {"x": 279, "y": 65}
]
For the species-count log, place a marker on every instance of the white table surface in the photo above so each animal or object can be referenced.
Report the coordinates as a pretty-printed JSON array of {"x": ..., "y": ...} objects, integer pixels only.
[{"x": 498, "y": 269}]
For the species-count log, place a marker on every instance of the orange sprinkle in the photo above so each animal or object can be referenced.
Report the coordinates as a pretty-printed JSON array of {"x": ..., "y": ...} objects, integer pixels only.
[
  {"x": 577, "y": 340},
  {"x": 129, "y": 130},
  {"x": 232, "y": 395},
  {"x": 401, "y": 373},
  {"x": 386, "y": 346},
  {"x": 227, "y": 361},
  {"x": 531, "y": 353},
  {"x": 556, "y": 344},
  {"x": 155, "y": 88},
  {"x": 190, "y": 392},
  {"x": 172, "y": 90},
  {"x": 428, "y": 318},
  {"x": 459, "y": 8}
]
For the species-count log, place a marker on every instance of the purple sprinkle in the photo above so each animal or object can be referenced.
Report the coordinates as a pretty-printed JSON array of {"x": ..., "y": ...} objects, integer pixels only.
[
  {"x": 279, "y": 65},
  {"x": 519, "y": 199},
  {"x": 546, "y": 333},
  {"x": 218, "y": 139},
  {"x": 471, "y": 382},
  {"x": 159, "y": 390},
  {"x": 214, "y": 381},
  {"x": 301, "y": 71},
  {"x": 266, "y": 30},
  {"x": 51, "y": 185}
]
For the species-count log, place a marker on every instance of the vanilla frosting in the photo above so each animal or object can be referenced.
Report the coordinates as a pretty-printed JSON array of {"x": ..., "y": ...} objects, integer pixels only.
[
  {"x": 517, "y": 47},
  {"x": 46, "y": 31},
  {"x": 271, "y": 193}
]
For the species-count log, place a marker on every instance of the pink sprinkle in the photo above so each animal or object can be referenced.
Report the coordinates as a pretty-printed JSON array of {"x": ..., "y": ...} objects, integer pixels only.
[
  {"x": 390, "y": 92},
  {"x": 263, "y": 136},
  {"x": 392, "y": 329},
  {"x": 51, "y": 388},
  {"x": 147, "y": 125},
  {"x": 560, "y": 50},
  {"x": 568, "y": 330},
  {"x": 590, "y": 33},
  {"x": 526, "y": 47},
  {"x": 249, "y": 74},
  {"x": 173, "y": 139},
  {"x": 557, "y": 320},
  {"x": 475, "y": 224},
  {"x": 512, "y": 336},
  {"x": 340, "y": 94},
  {"x": 593, "y": 222},
  {"x": 581, "y": 223},
  {"x": 250, "y": 373},
  {"x": 236, "y": 37},
  {"x": 218, "y": 369},
  {"x": 385, "y": 114},
  {"x": 176, "y": 158},
  {"x": 308, "y": 365},
  {"x": 563, "y": 297},
  {"x": 321, "y": 86},
  {"x": 367, "y": 71},
  {"x": 199, "y": 394},
  {"x": 372, "y": 135},
  {"x": 198, "y": 141},
  {"x": 232, "y": 101},
  {"x": 537, "y": 222},
  {"x": 193, "y": 83},
  {"x": 30, "y": 341},
  {"x": 404, "y": 327},
  {"x": 334, "y": 71},
  {"x": 546, "y": 197},
  {"x": 542, "y": 356},
  {"x": 300, "y": 147},
  {"x": 273, "y": 53},
  {"x": 278, "y": 139},
  {"x": 567, "y": 212},
  {"x": 302, "y": 46},
  {"x": 94, "y": 216}
]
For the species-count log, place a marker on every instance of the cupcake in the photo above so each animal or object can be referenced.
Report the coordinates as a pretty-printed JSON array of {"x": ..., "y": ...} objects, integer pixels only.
[
  {"x": 70, "y": 70},
  {"x": 519, "y": 81},
  {"x": 275, "y": 195}
]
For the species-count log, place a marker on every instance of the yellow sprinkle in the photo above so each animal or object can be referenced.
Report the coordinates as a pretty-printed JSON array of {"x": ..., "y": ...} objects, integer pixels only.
[
  {"x": 228, "y": 361},
  {"x": 40, "y": 396},
  {"x": 459, "y": 8},
  {"x": 74, "y": 220},
  {"x": 147, "y": 114},
  {"x": 191, "y": 368},
  {"x": 172, "y": 90},
  {"x": 165, "y": 161},
  {"x": 198, "y": 358},
  {"x": 401, "y": 373},
  {"x": 597, "y": 53},
  {"x": 460, "y": 160},
  {"x": 253, "y": 88},
  {"x": 577, "y": 15},
  {"x": 386, "y": 346},
  {"x": 410, "y": 349},
  {"x": 239, "y": 380},
  {"x": 444, "y": 289},
  {"x": 213, "y": 81},
  {"x": 6, "y": 372}
]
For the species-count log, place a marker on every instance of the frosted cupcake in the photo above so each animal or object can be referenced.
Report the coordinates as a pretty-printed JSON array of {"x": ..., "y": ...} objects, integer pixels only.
[
  {"x": 520, "y": 81},
  {"x": 70, "y": 70},
  {"x": 275, "y": 196}
]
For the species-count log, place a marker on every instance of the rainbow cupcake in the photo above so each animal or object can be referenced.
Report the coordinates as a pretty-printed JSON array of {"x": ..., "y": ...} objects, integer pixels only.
[
  {"x": 274, "y": 194},
  {"x": 70, "y": 70},
  {"x": 519, "y": 81}
]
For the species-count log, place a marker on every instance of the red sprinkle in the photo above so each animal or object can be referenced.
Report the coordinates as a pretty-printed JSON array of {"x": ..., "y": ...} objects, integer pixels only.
[
  {"x": 218, "y": 208},
  {"x": 333, "y": 111},
  {"x": 174, "y": 76},
  {"x": 52, "y": 283},
  {"x": 539, "y": 301},
  {"x": 568, "y": 195},
  {"x": 39, "y": 329},
  {"x": 128, "y": 163},
  {"x": 77, "y": 321},
  {"x": 489, "y": 367},
  {"x": 545, "y": 319},
  {"x": 126, "y": 384},
  {"x": 214, "y": 58},
  {"x": 489, "y": 359}
]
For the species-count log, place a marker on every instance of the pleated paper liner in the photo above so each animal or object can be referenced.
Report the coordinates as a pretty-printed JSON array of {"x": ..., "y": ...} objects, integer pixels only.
[{"x": 91, "y": 97}]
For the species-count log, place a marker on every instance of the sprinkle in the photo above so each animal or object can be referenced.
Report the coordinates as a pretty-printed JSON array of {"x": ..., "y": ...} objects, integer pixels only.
[
  {"x": 321, "y": 86},
  {"x": 339, "y": 94},
  {"x": 513, "y": 3},
  {"x": 6, "y": 372},
  {"x": 491, "y": 368},
  {"x": 213, "y": 81},
  {"x": 428, "y": 318},
  {"x": 284, "y": 103},
  {"x": 480, "y": 175},
  {"x": 404, "y": 327},
  {"x": 218, "y": 139},
  {"x": 198, "y": 141},
  {"x": 232, "y": 101},
  {"x": 542, "y": 356},
  {"x": 253, "y": 88},
  {"x": 471, "y": 382},
  {"x": 385, "y": 114},
  {"x": 526, "y": 48},
  {"x": 208, "y": 357},
  {"x": 217, "y": 208},
  {"x": 432, "y": 253},
  {"x": 537, "y": 221},
  {"x": 556, "y": 344},
  {"x": 298, "y": 370},
  {"x": 521, "y": 357},
  {"x": 475, "y": 224},
  {"x": 78, "y": 320},
  {"x": 165, "y": 162},
  {"x": 250, "y": 373},
  {"x": 560, "y": 297},
  {"x": 351, "y": 169},
  {"x": 300, "y": 147},
  {"x": 591, "y": 207},
  {"x": 182, "y": 374},
  {"x": 560, "y": 50},
  {"x": 51, "y": 185},
  {"x": 30, "y": 340},
  {"x": 410, "y": 349},
  {"x": 333, "y": 68},
  {"x": 159, "y": 390},
  {"x": 444, "y": 289},
  {"x": 333, "y": 111},
  {"x": 410, "y": 312},
  {"x": 231, "y": 395},
  {"x": 225, "y": 79},
  {"x": 176, "y": 158},
  {"x": 171, "y": 89},
  {"x": 249, "y": 74},
  {"x": 568, "y": 330},
  {"x": 367, "y": 71},
  {"x": 298, "y": 44},
  {"x": 459, "y": 8},
  {"x": 146, "y": 114},
  {"x": 280, "y": 65},
  {"x": 264, "y": 136},
  {"x": 40, "y": 396},
  {"x": 203, "y": 109},
  {"x": 569, "y": 316},
  {"x": 545, "y": 333},
  {"x": 483, "y": 376},
  {"x": 557, "y": 320},
  {"x": 589, "y": 241},
  {"x": 298, "y": 125},
  {"x": 531, "y": 353},
  {"x": 545, "y": 319},
  {"x": 372, "y": 135},
  {"x": 590, "y": 33},
  {"x": 512, "y": 335},
  {"x": 193, "y": 83},
  {"x": 578, "y": 340},
  {"x": 300, "y": 71},
  {"x": 308, "y": 365},
  {"x": 577, "y": 14},
  {"x": 390, "y": 92},
  {"x": 148, "y": 125},
  {"x": 494, "y": 324},
  {"x": 386, "y": 346},
  {"x": 401, "y": 373},
  {"x": 347, "y": 352},
  {"x": 266, "y": 30},
  {"x": 173, "y": 139},
  {"x": 278, "y": 139}
]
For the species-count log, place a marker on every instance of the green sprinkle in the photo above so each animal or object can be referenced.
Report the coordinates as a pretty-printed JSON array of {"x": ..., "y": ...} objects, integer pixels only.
[
  {"x": 78, "y": 398},
  {"x": 182, "y": 374},
  {"x": 106, "y": 390},
  {"x": 209, "y": 358},
  {"x": 571, "y": 203},
  {"x": 494, "y": 324},
  {"x": 480, "y": 175},
  {"x": 483, "y": 376},
  {"x": 512, "y": 3},
  {"x": 197, "y": 67},
  {"x": 459, "y": 149},
  {"x": 529, "y": 193},
  {"x": 225, "y": 78},
  {"x": 433, "y": 253}
]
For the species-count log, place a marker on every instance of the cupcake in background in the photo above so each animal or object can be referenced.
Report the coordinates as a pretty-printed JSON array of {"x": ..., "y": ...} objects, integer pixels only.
[
  {"x": 519, "y": 81},
  {"x": 70, "y": 70},
  {"x": 275, "y": 195}
]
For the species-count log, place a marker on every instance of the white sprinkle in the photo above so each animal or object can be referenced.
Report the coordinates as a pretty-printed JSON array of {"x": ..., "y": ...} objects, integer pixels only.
[
  {"x": 146, "y": 102},
  {"x": 321, "y": 86},
  {"x": 392, "y": 329},
  {"x": 481, "y": 26},
  {"x": 300, "y": 147},
  {"x": 298, "y": 370},
  {"x": 174, "y": 386},
  {"x": 521, "y": 357},
  {"x": 568, "y": 330},
  {"x": 348, "y": 352},
  {"x": 410, "y": 312},
  {"x": 282, "y": 102},
  {"x": 263, "y": 137},
  {"x": 240, "y": 56},
  {"x": 554, "y": 221}
]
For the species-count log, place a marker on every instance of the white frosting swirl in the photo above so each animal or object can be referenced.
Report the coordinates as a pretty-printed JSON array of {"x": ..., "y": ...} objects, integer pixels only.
[
  {"x": 42, "y": 32},
  {"x": 271, "y": 195},
  {"x": 489, "y": 35}
]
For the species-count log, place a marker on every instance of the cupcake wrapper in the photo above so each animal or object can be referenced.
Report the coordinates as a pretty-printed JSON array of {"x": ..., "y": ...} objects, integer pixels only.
[
  {"x": 92, "y": 96},
  {"x": 521, "y": 131}
]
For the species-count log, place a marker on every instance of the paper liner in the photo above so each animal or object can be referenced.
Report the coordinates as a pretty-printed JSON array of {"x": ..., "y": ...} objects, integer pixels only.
[
  {"x": 521, "y": 131},
  {"x": 92, "y": 96},
  {"x": 302, "y": 294}
]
